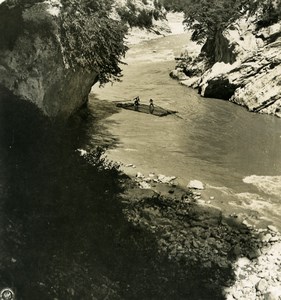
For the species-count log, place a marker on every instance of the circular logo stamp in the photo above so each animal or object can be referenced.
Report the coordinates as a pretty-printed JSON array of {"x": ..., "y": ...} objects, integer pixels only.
[{"x": 7, "y": 294}]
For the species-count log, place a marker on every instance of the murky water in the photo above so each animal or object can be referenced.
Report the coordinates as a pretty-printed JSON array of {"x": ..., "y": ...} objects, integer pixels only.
[{"x": 210, "y": 140}]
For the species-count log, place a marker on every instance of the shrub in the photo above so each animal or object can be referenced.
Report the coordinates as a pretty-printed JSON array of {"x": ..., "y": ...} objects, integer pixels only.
[
  {"x": 142, "y": 19},
  {"x": 271, "y": 13}
]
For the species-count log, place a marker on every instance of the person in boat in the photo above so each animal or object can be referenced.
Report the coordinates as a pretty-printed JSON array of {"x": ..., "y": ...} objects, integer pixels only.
[
  {"x": 136, "y": 102},
  {"x": 151, "y": 106}
]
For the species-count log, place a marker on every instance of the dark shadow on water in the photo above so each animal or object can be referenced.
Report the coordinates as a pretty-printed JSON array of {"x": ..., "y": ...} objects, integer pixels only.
[
  {"x": 99, "y": 134},
  {"x": 62, "y": 230}
]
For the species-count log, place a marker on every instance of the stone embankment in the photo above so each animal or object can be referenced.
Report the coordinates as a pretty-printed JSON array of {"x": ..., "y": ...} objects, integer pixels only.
[{"x": 230, "y": 256}]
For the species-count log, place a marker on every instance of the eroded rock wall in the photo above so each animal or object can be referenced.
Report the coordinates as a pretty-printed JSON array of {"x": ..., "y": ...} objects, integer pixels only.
[
  {"x": 32, "y": 63},
  {"x": 252, "y": 79}
]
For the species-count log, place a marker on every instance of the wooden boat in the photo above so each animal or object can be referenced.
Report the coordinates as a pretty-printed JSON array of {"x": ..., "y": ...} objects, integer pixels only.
[{"x": 144, "y": 108}]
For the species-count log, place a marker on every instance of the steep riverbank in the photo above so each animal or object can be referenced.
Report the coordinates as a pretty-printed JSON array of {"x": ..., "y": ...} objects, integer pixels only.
[
  {"x": 171, "y": 25},
  {"x": 247, "y": 71}
]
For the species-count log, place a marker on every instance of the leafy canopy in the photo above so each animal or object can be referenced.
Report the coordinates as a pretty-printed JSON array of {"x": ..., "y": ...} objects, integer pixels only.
[
  {"x": 92, "y": 39},
  {"x": 208, "y": 17}
]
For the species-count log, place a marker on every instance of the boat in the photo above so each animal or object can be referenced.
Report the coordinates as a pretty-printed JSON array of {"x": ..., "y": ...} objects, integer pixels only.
[{"x": 144, "y": 108}]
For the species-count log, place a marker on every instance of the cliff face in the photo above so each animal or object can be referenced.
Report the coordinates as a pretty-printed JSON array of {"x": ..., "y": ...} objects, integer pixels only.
[
  {"x": 53, "y": 51},
  {"x": 32, "y": 62},
  {"x": 249, "y": 74}
]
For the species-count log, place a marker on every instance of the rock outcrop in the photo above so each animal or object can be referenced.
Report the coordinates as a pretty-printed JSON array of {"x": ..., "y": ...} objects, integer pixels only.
[
  {"x": 252, "y": 79},
  {"x": 53, "y": 51},
  {"x": 32, "y": 61}
]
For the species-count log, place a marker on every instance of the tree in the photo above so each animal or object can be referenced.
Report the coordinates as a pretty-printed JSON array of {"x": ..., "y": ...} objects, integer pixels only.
[
  {"x": 209, "y": 18},
  {"x": 91, "y": 39}
]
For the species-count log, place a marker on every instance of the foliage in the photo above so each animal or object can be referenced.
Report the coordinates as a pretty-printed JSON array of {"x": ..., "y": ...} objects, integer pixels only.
[
  {"x": 91, "y": 39},
  {"x": 138, "y": 18},
  {"x": 207, "y": 18},
  {"x": 158, "y": 4},
  {"x": 270, "y": 13}
]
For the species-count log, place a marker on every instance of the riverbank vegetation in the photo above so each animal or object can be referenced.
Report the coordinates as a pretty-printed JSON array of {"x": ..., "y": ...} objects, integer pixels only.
[
  {"x": 91, "y": 39},
  {"x": 208, "y": 19},
  {"x": 139, "y": 17}
]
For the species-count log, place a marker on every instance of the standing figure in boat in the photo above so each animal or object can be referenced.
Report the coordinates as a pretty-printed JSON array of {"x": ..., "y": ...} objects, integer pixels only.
[
  {"x": 136, "y": 102},
  {"x": 151, "y": 106}
]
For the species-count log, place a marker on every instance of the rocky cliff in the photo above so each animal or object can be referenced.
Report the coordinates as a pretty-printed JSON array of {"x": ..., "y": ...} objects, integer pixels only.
[
  {"x": 52, "y": 52},
  {"x": 248, "y": 71}
]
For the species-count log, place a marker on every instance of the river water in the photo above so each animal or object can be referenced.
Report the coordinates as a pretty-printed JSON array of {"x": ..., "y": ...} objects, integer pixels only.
[{"x": 236, "y": 154}]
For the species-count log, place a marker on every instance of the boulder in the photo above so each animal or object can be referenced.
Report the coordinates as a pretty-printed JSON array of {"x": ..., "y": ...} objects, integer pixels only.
[
  {"x": 262, "y": 285},
  {"x": 196, "y": 184},
  {"x": 273, "y": 293},
  {"x": 166, "y": 179}
]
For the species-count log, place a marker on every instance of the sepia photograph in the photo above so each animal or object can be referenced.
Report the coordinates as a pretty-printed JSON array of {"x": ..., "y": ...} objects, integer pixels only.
[{"x": 140, "y": 149}]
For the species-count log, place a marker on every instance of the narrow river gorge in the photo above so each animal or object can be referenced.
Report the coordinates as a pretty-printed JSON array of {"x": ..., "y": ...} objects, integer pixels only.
[
  {"x": 65, "y": 228},
  {"x": 235, "y": 153}
]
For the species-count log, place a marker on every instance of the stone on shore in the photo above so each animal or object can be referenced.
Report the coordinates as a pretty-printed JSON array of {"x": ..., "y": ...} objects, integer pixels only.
[
  {"x": 196, "y": 184},
  {"x": 165, "y": 179}
]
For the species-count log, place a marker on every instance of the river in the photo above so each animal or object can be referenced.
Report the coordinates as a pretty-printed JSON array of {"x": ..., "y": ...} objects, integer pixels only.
[
  {"x": 235, "y": 153},
  {"x": 63, "y": 231}
]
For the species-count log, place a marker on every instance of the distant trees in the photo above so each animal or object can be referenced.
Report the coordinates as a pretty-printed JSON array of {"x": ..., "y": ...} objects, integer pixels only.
[
  {"x": 207, "y": 17},
  {"x": 136, "y": 17}
]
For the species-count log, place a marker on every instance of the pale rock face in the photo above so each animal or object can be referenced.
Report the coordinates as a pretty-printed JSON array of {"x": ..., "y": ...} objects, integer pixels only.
[
  {"x": 35, "y": 69},
  {"x": 36, "y": 72},
  {"x": 254, "y": 79}
]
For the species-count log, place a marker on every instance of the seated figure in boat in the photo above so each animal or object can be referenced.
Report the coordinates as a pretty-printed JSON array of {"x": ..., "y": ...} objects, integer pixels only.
[
  {"x": 136, "y": 102},
  {"x": 151, "y": 106}
]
